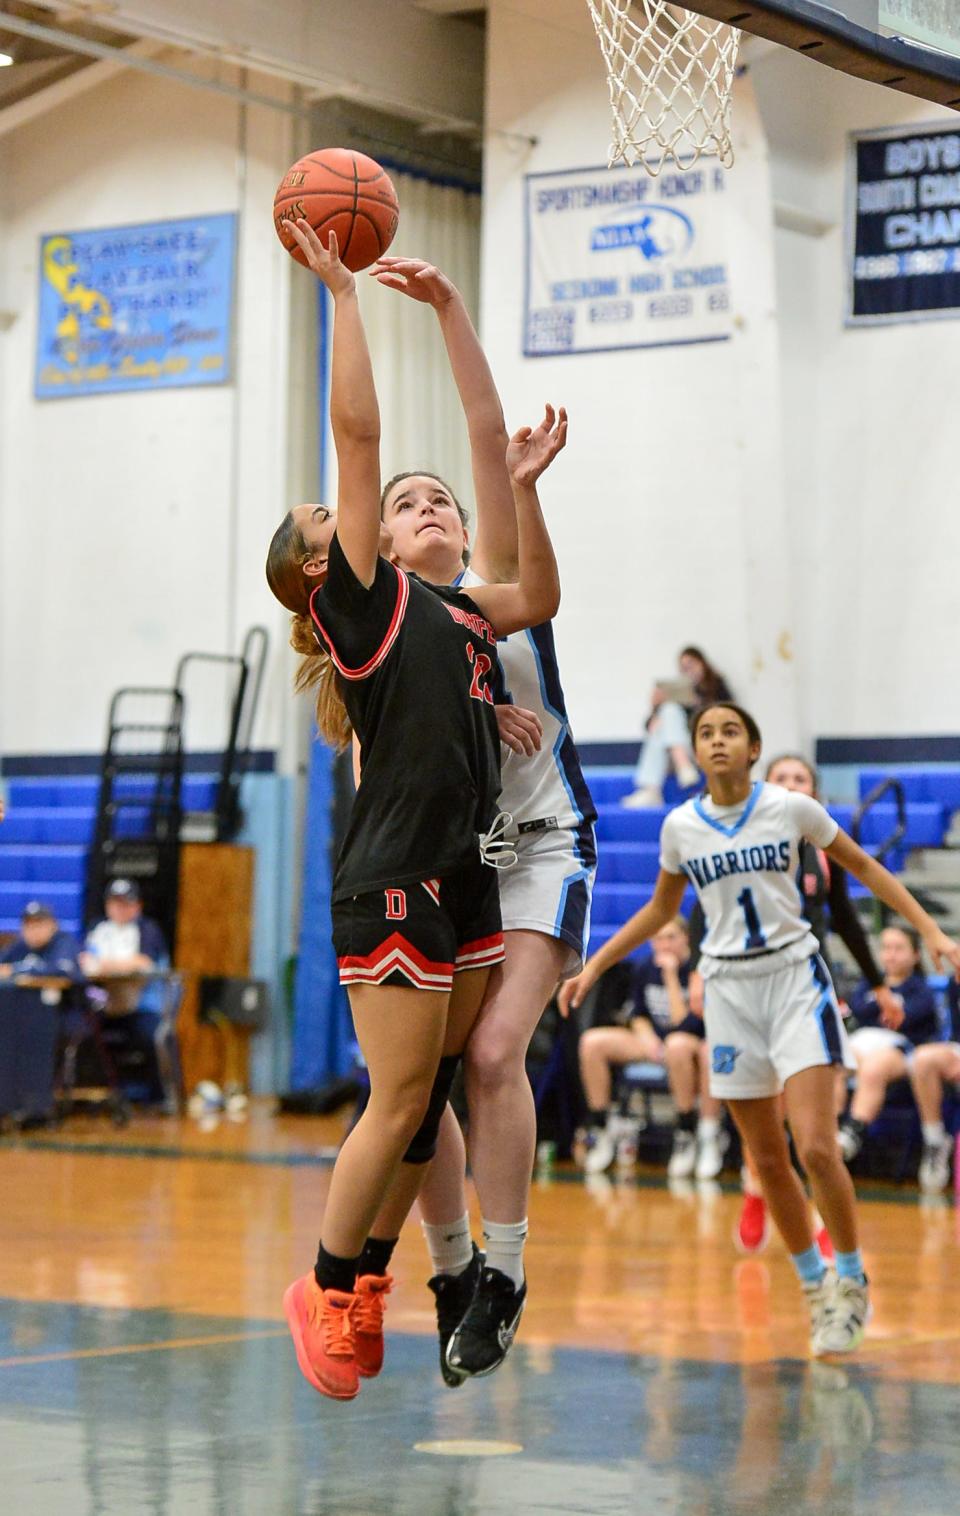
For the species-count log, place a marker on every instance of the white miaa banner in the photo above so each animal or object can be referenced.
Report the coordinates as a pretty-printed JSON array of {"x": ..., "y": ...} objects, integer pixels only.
[{"x": 617, "y": 259}]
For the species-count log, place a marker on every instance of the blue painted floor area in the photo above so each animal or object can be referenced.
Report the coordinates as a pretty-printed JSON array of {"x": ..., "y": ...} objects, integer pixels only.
[{"x": 223, "y": 1425}]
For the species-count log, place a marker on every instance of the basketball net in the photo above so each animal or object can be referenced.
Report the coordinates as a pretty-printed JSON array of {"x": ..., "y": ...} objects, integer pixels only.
[{"x": 670, "y": 73}]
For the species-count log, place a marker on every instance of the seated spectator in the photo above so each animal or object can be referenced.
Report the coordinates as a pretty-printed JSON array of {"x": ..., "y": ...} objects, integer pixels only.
[
  {"x": 35, "y": 965},
  {"x": 884, "y": 1040},
  {"x": 935, "y": 1065},
  {"x": 666, "y": 742},
  {"x": 660, "y": 1030},
  {"x": 125, "y": 946},
  {"x": 42, "y": 950}
]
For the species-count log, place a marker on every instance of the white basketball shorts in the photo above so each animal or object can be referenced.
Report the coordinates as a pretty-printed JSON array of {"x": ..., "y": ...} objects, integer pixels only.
[
  {"x": 764, "y": 1028},
  {"x": 550, "y": 887},
  {"x": 872, "y": 1039}
]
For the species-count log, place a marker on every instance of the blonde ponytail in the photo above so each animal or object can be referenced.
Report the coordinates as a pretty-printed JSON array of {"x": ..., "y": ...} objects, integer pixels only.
[
  {"x": 316, "y": 671},
  {"x": 287, "y": 554}
]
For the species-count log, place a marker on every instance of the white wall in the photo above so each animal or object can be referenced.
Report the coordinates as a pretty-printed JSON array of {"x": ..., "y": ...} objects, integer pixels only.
[
  {"x": 667, "y": 509},
  {"x": 134, "y": 525},
  {"x": 728, "y": 493},
  {"x": 869, "y": 427}
]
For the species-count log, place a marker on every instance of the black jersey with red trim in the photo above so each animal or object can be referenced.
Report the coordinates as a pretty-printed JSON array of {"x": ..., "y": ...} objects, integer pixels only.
[{"x": 415, "y": 664}]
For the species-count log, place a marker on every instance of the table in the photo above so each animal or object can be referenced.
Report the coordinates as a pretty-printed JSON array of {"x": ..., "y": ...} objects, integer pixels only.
[{"x": 29, "y": 1027}]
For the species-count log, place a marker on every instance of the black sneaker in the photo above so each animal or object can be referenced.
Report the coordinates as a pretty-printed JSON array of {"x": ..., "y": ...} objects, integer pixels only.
[
  {"x": 454, "y": 1293},
  {"x": 482, "y": 1340}
]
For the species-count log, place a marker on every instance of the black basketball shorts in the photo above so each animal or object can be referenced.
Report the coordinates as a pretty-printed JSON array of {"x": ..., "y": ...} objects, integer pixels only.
[
  {"x": 422, "y": 934},
  {"x": 691, "y": 1024}
]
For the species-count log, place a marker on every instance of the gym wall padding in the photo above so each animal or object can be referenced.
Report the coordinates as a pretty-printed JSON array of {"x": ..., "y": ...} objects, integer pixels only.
[{"x": 322, "y": 1031}]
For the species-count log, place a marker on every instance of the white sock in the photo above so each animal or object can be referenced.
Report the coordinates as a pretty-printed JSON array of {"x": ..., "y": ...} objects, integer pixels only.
[
  {"x": 504, "y": 1243},
  {"x": 450, "y": 1245},
  {"x": 708, "y": 1127},
  {"x": 933, "y": 1133}
]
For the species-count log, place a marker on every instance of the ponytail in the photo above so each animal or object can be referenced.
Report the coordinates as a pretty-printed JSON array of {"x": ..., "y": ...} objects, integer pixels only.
[
  {"x": 316, "y": 671},
  {"x": 285, "y": 560}
]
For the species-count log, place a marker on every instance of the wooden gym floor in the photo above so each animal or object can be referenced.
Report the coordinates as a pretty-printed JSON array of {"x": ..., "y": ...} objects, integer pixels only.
[{"x": 145, "y": 1365}]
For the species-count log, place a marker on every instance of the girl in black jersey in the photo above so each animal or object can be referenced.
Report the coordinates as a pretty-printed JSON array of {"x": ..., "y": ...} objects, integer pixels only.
[{"x": 416, "y": 917}]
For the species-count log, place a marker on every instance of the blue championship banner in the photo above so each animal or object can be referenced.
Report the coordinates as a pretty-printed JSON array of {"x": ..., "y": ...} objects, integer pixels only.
[
  {"x": 904, "y": 230},
  {"x": 136, "y": 307},
  {"x": 615, "y": 259}
]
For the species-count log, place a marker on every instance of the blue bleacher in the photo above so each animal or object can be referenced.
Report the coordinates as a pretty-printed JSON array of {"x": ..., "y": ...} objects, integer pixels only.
[
  {"x": 45, "y": 840},
  {"x": 936, "y": 786},
  {"x": 628, "y": 839}
]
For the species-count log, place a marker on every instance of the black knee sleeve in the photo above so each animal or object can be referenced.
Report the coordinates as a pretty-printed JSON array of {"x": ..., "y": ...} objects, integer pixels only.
[{"x": 424, "y": 1144}]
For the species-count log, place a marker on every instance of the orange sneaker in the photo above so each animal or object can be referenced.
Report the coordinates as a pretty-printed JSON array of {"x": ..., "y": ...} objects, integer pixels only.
[
  {"x": 322, "y": 1327},
  {"x": 368, "y": 1322},
  {"x": 752, "y": 1231}
]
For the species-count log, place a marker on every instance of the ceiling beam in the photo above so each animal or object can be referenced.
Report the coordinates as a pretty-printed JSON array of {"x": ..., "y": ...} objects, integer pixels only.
[
  {"x": 385, "y": 53},
  {"x": 90, "y": 77}
]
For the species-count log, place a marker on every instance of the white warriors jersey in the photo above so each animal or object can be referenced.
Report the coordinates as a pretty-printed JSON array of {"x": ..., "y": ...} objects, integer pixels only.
[
  {"x": 547, "y": 791},
  {"x": 743, "y": 862}
]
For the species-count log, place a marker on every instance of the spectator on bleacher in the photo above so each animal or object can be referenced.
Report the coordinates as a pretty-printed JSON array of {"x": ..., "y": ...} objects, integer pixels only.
[
  {"x": 666, "y": 742},
  {"x": 884, "y": 1040},
  {"x": 934, "y": 1066},
  {"x": 42, "y": 950},
  {"x": 656, "y": 1017}
]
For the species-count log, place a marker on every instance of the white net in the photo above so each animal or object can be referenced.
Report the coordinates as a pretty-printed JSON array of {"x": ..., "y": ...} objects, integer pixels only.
[{"x": 670, "y": 73}]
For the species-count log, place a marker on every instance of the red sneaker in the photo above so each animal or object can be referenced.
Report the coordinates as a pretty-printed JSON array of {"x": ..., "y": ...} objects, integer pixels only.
[
  {"x": 752, "y": 1232},
  {"x": 825, "y": 1244},
  {"x": 368, "y": 1322},
  {"x": 321, "y": 1325}
]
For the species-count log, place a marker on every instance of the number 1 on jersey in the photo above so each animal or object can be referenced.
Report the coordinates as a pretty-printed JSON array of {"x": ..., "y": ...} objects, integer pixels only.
[{"x": 755, "y": 937}]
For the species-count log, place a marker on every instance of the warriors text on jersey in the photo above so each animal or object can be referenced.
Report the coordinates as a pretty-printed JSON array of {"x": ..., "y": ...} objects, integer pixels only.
[
  {"x": 547, "y": 790},
  {"x": 414, "y": 665},
  {"x": 742, "y": 861}
]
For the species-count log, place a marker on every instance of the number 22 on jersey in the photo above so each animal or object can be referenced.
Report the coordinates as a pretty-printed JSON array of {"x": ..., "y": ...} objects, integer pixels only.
[{"x": 482, "y": 664}]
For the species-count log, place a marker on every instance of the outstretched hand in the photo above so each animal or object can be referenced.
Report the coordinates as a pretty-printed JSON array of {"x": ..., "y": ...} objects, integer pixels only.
[
  {"x": 324, "y": 261},
  {"x": 416, "y": 278},
  {"x": 532, "y": 449},
  {"x": 940, "y": 946},
  {"x": 572, "y": 992}
]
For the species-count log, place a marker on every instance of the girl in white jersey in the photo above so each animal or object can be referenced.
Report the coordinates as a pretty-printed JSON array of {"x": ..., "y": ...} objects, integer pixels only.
[
  {"x": 544, "y": 897},
  {"x": 771, "y": 1014}
]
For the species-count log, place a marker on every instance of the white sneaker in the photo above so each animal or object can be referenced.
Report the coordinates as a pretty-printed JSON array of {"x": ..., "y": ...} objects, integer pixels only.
[
  {"x": 846, "y": 1317},
  {"x": 849, "y": 1140},
  {"x": 934, "y": 1175},
  {"x": 646, "y": 799},
  {"x": 626, "y": 1151},
  {"x": 710, "y": 1153},
  {"x": 819, "y": 1297},
  {"x": 683, "y": 1159},
  {"x": 688, "y": 775},
  {"x": 600, "y": 1151}
]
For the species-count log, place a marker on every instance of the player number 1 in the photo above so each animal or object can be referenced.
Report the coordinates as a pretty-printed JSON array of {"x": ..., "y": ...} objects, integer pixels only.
[{"x": 755, "y": 937}]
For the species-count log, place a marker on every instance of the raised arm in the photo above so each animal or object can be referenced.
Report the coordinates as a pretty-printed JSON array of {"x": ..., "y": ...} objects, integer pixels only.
[
  {"x": 354, "y": 413},
  {"x": 665, "y": 904},
  {"x": 535, "y": 597},
  {"x": 495, "y": 547},
  {"x": 887, "y": 888}
]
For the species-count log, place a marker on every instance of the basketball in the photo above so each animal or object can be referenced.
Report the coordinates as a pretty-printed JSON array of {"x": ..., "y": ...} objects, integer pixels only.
[{"x": 338, "y": 190}]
